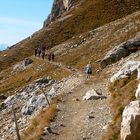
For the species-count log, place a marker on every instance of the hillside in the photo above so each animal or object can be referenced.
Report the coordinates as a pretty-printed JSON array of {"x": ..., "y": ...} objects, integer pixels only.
[
  {"x": 87, "y": 15},
  {"x": 77, "y": 107}
]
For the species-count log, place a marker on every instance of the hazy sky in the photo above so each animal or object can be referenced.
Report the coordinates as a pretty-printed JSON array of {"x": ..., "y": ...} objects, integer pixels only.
[{"x": 20, "y": 18}]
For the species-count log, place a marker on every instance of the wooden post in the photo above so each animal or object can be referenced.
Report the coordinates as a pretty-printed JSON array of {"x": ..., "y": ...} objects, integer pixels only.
[
  {"x": 45, "y": 96},
  {"x": 16, "y": 124}
]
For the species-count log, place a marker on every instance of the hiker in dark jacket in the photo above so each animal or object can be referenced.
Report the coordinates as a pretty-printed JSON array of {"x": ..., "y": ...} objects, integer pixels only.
[
  {"x": 49, "y": 56},
  {"x": 52, "y": 56},
  {"x": 43, "y": 54},
  {"x": 35, "y": 51},
  {"x": 39, "y": 52}
]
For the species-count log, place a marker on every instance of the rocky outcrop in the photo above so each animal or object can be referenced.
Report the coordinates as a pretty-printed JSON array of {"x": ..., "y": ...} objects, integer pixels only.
[
  {"x": 21, "y": 66},
  {"x": 129, "y": 68},
  {"x": 121, "y": 51},
  {"x": 138, "y": 92},
  {"x": 58, "y": 9},
  {"x": 130, "y": 125},
  {"x": 34, "y": 104}
]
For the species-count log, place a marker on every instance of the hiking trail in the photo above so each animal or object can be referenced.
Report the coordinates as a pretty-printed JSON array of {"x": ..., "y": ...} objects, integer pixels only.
[{"x": 78, "y": 119}]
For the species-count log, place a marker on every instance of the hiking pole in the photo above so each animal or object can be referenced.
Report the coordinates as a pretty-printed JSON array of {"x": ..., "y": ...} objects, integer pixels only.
[
  {"x": 45, "y": 96},
  {"x": 16, "y": 124}
]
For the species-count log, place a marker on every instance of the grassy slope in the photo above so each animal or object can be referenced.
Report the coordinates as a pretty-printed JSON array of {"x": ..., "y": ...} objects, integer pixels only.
[
  {"x": 17, "y": 80},
  {"x": 89, "y": 15}
]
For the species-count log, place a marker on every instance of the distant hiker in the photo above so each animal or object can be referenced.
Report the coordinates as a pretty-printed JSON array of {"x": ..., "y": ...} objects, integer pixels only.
[
  {"x": 36, "y": 51},
  {"x": 39, "y": 52},
  {"x": 43, "y": 54},
  {"x": 49, "y": 56},
  {"x": 44, "y": 48},
  {"x": 52, "y": 56},
  {"x": 27, "y": 61},
  {"x": 88, "y": 70}
]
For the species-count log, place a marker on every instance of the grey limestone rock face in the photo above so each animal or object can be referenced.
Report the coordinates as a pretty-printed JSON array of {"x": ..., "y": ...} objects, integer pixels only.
[
  {"x": 121, "y": 51},
  {"x": 58, "y": 9},
  {"x": 129, "y": 68},
  {"x": 130, "y": 125},
  {"x": 34, "y": 104}
]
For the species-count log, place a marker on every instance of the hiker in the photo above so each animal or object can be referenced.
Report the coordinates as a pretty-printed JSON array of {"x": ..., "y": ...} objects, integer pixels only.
[
  {"x": 44, "y": 48},
  {"x": 88, "y": 70},
  {"x": 43, "y": 54},
  {"x": 49, "y": 56},
  {"x": 39, "y": 51},
  {"x": 36, "y": 51},
  {"x": 52, "y": 56}
]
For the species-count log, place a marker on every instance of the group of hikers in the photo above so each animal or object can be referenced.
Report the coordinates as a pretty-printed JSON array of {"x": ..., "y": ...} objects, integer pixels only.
[{"x": 41, "y": 51}]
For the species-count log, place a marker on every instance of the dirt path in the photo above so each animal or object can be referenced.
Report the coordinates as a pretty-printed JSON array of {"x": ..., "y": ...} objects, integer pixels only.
[{"x": 78, "y": 119}]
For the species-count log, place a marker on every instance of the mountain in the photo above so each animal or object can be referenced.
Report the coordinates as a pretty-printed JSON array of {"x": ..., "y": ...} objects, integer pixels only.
[
  {"x": 57, "y": 99},
  {"x": 59, "y": 8}
]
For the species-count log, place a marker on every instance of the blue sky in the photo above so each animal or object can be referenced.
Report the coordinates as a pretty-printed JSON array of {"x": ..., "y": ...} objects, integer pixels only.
[{"x": 20, "y": 18}]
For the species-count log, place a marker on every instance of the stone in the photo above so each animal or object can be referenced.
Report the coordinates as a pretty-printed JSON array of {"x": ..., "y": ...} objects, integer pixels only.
[
  {"x": 52, "y": 93},
  {"x": 42, "y": 80},
  {"x": 3, "y": 97},
  {"x": 9, "y": 100},
  {"x": 121, "y": 51},
  {"x": 138, "y": 92},
  {"x": 27, "y": 61},
  {"x": 92, "y": 94},
  {"x": 48, "y": 130},
  {"x": 91, "y": 117},
  {"x": 129, "y": 68},
  {"x": 34, "y": 103},
  {"x": 130, "y": 124},
  {"x": 138, "y": 69},
  {"x": 75, "y": 99}
]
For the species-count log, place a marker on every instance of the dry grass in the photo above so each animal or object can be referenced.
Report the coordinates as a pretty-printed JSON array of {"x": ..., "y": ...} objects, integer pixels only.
[
  {"x": 37, "y": 124},
  {"x": 17, "y": 80},
  {"x": 122, "y": 92}
]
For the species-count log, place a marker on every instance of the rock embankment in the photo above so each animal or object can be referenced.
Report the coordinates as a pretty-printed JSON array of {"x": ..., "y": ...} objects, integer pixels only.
[
  {"x": 121, "y": 51},
  {"x": 130, "y": 124}
]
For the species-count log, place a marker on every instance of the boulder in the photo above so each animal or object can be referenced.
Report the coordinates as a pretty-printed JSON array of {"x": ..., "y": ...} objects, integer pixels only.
[
  {"x": 130, "y": 125},
  {"x": 121, "y": 51},
  {"x": 34, "y": 103},
  {"x": 27, "y": 61},
  {"x": 138, "y": 92},
  {"x": 138, "y": 69},
  {"x": 3, "y": 97},
  {"x": 114, "y": 55},
  {"x": 92, "y": 94},
  {"x": 129, "y": 68}
]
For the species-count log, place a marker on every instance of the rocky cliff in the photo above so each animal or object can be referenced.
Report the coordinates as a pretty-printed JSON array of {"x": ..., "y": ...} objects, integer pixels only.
[{"x": 58, "y": 9}]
